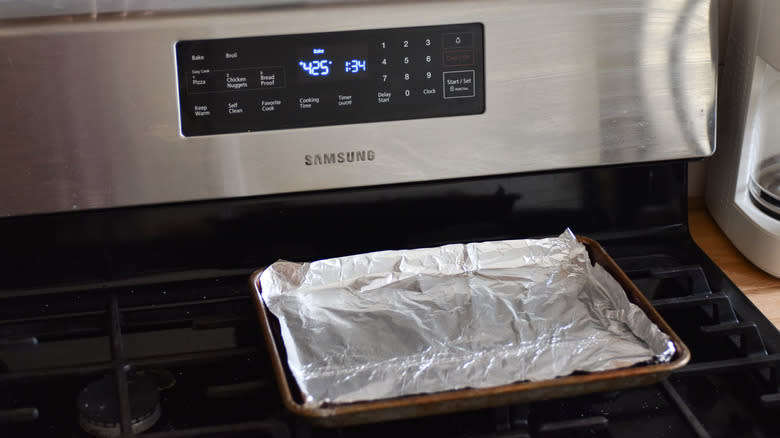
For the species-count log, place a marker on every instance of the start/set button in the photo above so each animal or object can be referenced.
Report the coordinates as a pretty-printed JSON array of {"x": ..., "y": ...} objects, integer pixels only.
[{"x": 458, "y": 84}]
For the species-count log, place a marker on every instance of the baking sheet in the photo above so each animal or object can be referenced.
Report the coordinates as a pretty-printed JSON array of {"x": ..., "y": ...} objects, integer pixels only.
[{"x": 393, "y": 323}]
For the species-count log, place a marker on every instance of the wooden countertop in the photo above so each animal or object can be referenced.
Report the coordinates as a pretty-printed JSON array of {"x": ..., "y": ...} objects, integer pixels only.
[{"x": 761, "y": 288}]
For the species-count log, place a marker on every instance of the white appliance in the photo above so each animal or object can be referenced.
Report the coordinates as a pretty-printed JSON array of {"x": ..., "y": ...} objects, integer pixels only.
[{"x": 743, "y": 193}]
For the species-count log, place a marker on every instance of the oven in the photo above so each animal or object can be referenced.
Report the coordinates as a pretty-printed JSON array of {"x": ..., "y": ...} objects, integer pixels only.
[{"x": 151, "y": 160}]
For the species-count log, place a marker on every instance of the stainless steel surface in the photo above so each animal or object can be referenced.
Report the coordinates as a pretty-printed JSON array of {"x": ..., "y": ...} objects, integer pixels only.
[
  {"x": 396, "y": 323},
  {"x": 43, "y": 8},
  {"x": 90, "y": 118}
]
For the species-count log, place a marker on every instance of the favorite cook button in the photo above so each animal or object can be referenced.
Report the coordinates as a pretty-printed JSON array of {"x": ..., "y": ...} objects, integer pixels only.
[
  {"x": 270, "y": 105},
  {"x": 458, "y": 84}
]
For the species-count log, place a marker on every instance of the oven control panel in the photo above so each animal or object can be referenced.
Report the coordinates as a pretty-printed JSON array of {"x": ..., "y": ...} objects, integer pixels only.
[{"x": 291, "y": 81}]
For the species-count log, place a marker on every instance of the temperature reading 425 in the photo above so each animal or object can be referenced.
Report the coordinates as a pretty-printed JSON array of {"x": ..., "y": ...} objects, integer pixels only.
[{"x": 320, "y": 67}]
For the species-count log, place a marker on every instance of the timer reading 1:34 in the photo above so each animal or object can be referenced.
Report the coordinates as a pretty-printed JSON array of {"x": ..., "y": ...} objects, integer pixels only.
[{"x": 323, "y": 67}]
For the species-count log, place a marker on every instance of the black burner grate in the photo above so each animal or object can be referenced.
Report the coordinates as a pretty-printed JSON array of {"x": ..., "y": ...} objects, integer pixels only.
[{"x": 200, "y": 339}]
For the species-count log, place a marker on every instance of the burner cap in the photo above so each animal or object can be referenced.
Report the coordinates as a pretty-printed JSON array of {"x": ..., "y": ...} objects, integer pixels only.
[{"x": 99, "y": 405}]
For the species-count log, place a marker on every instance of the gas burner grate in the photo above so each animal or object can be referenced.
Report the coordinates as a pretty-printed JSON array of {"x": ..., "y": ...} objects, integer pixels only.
[{"x": 203, "y": 334}]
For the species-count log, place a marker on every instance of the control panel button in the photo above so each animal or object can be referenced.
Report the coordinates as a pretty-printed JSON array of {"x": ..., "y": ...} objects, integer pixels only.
[
  {"x": 455, "y": 58},
  {"x": 270, "y": 77},
  {"x": 461, "y": 40},
  {"x": 383, "y": 97},
  {"x": 429, "y": 91},
  {"x": 235, "y": 107},
  {"x": 235, "y": 80},
  {"x": 200, "y": 80},
  {"x": 344, "y": 100},
  {"x": 458, "y": 84},
  {"x": 270, "y": 105},
  {"x": 308, "y": 103},
  {"x": 201, "y": 110}
]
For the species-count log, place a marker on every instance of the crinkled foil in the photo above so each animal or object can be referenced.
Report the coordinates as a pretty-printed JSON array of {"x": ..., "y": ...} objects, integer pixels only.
[{"x": 394, "y": 323}]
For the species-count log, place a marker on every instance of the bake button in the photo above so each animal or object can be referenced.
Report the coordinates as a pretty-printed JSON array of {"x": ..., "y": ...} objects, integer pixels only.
[
  {"x": 458, "y": 84},
  {"x": 458, "y": 58},
  {"x": 459, "y": 40}
]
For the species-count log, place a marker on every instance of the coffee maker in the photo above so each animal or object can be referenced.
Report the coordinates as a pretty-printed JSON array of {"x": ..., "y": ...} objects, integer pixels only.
[{"x": 743, "y": 186}]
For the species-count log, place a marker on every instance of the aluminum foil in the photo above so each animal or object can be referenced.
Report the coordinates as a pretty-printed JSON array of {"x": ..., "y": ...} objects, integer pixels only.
[{"x": 394, "y": 323}]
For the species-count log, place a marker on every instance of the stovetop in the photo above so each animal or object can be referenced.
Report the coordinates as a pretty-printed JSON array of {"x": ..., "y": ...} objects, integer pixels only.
[
  {"x": 172, "y": 354},
  {"x": 199, "y": 341}
]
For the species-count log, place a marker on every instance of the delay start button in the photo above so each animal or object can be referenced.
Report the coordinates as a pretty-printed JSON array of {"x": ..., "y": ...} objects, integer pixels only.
[{"x": 458, "y": 84}]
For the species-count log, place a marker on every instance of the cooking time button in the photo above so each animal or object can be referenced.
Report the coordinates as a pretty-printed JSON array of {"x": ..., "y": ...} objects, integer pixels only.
[{"x": 308, "y": 103}]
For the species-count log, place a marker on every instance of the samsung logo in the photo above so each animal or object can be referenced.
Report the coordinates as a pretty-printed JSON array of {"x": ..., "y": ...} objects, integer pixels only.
[{"x": 339, "y": 157}]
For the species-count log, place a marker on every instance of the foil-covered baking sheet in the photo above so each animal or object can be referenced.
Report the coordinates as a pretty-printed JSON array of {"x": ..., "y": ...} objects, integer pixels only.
[{"x": 393, "y": 323}]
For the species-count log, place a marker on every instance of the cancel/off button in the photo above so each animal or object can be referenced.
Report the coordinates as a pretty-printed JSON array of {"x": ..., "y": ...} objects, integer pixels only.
[{"x": 458, "y": 84}]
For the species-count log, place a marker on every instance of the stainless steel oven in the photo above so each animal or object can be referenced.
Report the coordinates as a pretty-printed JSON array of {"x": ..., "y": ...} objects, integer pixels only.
[{"x": 153, "y": 157}]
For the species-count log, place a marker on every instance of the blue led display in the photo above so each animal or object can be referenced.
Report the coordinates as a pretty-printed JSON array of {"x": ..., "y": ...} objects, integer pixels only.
[
  {"x": 320, "y": 62},
  {"x": 319, "y": 67},
  {"x": 355, "y": 65}
]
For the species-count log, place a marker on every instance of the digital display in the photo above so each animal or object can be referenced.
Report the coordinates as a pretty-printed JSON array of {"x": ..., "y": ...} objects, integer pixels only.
[
  {"x": 330, "y": 78},
  {"x": 336, "y": 62},
  {"x": 318, "y": 67}
]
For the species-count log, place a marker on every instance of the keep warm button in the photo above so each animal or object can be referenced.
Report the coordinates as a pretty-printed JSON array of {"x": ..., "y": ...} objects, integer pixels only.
[{"x": 458, "y": 84}]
